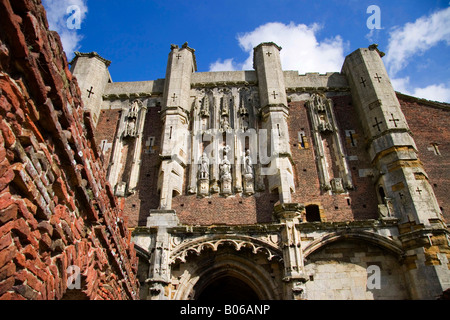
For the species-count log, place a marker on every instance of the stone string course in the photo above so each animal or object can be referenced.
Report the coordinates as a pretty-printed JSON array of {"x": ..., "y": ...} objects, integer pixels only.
[{"x": 56, "y": 207}]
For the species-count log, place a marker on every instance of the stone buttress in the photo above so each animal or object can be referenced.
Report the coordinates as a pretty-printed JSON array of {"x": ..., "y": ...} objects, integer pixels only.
[
  {"x": 400, "y": 180},
  {"x": 175, "y": 117},
  {"x": 274, "y": 111}
]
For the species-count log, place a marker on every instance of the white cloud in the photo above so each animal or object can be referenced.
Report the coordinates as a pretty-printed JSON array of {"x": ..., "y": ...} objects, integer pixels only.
[
  {"x": 435, "y": 92},
  {"x": 416, "y": 38},
  {"x": 301, "y": 49},
  {"x": 226, "y": 65},
  {"x": 66, "y": 22}
]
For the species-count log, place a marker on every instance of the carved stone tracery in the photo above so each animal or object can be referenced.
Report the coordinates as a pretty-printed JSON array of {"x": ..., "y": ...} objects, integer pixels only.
[{"x": 196, "y": 246}]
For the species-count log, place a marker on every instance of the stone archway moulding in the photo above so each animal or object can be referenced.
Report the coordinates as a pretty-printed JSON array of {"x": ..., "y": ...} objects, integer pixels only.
[
  {"x": 367, "y": 236},
  {"x": 228, "y": 265},
  {"x": 270, "y": 247}
]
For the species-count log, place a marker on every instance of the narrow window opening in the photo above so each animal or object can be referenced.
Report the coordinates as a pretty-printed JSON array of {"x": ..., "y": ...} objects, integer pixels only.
[{"x": 382, "y": 194}]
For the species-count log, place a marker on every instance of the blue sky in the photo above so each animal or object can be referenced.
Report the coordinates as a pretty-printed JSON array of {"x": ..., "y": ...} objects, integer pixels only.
[{"x": 315, "y": 35}]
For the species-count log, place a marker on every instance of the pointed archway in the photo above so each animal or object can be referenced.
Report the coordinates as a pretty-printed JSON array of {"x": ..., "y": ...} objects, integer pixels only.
[{"x": 227, "y": 274}]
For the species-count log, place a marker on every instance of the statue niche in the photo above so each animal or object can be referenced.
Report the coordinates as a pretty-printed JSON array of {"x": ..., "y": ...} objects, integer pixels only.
[
  {"x": 322, "y": 107},
  {"x": 243, "y": 113},
  {"x": 204, "y": 110},
  {"x": 203, "y": 176},
  {"x": 225, "y": 173},
  {"x": 248, "y": 174},
  {"x": 332, "y": 165},
  {"x": 130, "y": 130},
  {"x": 225, "y": 113}
]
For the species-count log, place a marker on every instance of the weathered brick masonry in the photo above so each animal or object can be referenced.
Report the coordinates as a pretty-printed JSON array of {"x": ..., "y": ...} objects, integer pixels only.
[
  {"x": 56, "y": 208},
  {"x": 428, "y": 122}
]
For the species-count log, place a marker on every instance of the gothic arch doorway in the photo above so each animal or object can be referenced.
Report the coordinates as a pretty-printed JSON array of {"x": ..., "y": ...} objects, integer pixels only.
[
  {"x": 226, "y": 275},
  {"x": 226, "y": 287}
]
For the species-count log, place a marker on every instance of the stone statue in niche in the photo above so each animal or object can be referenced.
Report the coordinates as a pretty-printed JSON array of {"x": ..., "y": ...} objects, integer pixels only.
[
  {"x": 203, "y": 170},
  {"x": 322, "y": 108},
  {"x": 130, "y": 126},
  {"x": 204, "y": 110},
  {"x": 225, "y": 107},
  {"x": 243, "y": 112},
  {"x": 225, "y": 168},
  {"x": 225, "y": 173},
  {"x": 248, "y": 174},
  {"x": 130, "y": 130},
  {"x": 324, "y": 124},
  {"x": 244, "y": 123},
  {"x": 248, "y": 166},
  {"x": 203, "y": 176},
  {"x": 225, "y": 124},
  {"x": 337, "y": 185}
]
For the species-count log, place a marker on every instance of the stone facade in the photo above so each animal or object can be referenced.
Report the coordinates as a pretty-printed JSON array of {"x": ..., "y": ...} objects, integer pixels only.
[
  {"x": 261, "y": 184},
  {"x": 62, "y": 231},
  {"x": 280, "y": 185}
]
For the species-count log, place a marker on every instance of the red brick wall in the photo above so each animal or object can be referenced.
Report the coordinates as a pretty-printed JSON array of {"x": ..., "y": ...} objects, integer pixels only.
[
  {"x": 429, "y": 124},
  {"x": 106, "y": 130},
  {"x": 360, "y": 203},
  {"x": 56, "y": 209},
  {"x": 137, "y": 207}
]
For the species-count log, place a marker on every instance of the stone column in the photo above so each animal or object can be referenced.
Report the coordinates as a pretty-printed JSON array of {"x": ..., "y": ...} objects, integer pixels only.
[{"x": 295, "y": 278}]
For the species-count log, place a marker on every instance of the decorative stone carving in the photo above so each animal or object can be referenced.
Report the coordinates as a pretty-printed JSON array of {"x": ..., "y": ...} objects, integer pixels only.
[
  {"x": 248, "y": 165},
  {"x": 337, "y": 185},
  {"x": 204, "y": 110},
  {"x": 203, "y": 170},
  {"x": 326, "y": 134},
  {"x": 225, "y": 112},
  {"x": 121, "y": 189},
  {"x": 225, "y": 173},
  {"x": 225, "y": 168},
  {"x": 180, "y": 253},
  {"x": 385, "y": 210},
  {"x": 130, "y": 130},
  {"x": 130, "y": 127},
  {"x": 248, "y": 174},
  {"x": 244, "y": 123},
  {"x": 224, "y": 124},
  {"x": 203, "y": 176},
  {"x": 321, "y": 105}
]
